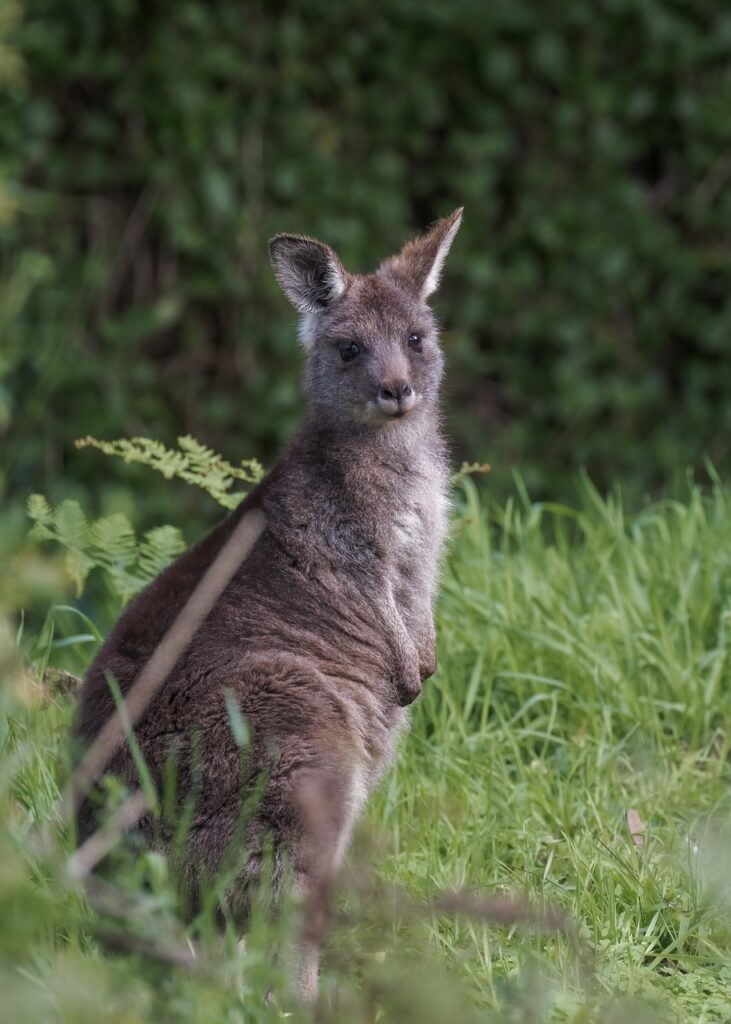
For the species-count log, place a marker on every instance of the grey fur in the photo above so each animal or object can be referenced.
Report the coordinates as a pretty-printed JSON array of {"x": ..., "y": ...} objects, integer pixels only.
[{"x": 325, "y": 633}]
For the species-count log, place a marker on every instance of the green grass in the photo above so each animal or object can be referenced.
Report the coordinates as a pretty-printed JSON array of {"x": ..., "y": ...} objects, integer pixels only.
[{"x": 585, "y": 670}]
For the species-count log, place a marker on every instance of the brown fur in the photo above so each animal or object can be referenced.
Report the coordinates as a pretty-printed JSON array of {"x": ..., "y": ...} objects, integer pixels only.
[{"x": 325, "y": 632}]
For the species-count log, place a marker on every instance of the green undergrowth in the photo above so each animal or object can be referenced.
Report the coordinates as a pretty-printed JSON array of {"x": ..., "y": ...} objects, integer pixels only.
[{"x": 584, "y": 677}]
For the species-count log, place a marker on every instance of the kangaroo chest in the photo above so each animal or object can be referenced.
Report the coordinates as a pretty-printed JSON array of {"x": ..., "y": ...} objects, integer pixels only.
[{"x": 417, "y": 525}]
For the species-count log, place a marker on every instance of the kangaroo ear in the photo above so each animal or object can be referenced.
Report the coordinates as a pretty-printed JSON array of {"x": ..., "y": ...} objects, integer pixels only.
[
  {"x": 419, "y": 264},
  {"x": 310, "y": 273}
]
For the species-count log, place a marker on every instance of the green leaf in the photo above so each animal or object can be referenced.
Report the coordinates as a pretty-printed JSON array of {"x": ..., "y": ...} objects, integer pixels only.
[{"x": 38, "y": 509}]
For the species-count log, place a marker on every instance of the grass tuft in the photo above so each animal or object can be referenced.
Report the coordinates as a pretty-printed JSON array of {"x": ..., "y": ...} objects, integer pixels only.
[{"x": 572, "y": 751}]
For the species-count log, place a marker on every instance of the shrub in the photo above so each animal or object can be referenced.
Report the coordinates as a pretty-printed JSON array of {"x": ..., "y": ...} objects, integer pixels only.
[{"x": 150, "y": 150}]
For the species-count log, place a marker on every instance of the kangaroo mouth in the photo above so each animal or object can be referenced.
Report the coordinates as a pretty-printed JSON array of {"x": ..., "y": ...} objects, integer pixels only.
[
  {"x": 371, "y": 414},
  {"x": 397, "y": 416},
  {"x": 378, "y": 411}
]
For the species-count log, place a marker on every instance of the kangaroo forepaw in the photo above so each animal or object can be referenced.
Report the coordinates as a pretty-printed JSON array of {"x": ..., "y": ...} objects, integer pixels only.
[
  {"x": 427, "y": 665},
  {"x": 408, "y": 683}
]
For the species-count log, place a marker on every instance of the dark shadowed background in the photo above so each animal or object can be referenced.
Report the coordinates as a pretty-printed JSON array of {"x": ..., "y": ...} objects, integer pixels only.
[{"x": 149, "y": 150}]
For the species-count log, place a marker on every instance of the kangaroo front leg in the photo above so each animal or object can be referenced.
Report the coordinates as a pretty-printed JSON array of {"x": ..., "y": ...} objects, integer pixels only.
[
  {"x": 418, "y": 623},
  {"x": 427, "y": 651},
  {"x": 413, "y": 609},
  {"x": 406, "y": 673}
]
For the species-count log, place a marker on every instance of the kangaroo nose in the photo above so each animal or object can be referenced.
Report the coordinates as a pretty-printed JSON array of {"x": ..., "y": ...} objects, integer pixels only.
[
  {"x": 396, "y": 398},
  {"x": 395, "y": 390}
]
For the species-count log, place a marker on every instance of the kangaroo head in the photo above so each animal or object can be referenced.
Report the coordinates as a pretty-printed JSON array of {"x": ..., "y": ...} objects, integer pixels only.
[{"x": 372, "y": 345}]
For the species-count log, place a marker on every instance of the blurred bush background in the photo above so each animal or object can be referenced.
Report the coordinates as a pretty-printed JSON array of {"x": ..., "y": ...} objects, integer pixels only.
[{"x": 150, "y": 149}]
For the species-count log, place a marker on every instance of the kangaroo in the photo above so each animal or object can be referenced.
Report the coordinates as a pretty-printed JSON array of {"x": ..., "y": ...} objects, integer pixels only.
[{"x": 324, "y": 634}]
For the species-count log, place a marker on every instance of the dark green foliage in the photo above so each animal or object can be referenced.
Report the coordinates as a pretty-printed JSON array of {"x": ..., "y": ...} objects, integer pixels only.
[{"x": 152, "y": 148}]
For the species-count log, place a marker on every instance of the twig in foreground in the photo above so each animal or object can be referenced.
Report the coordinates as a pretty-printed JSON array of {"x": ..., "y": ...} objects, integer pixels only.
[{"x": 83, "y": 861}]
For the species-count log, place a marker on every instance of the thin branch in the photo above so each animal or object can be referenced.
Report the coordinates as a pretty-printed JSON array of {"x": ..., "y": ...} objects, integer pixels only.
[
  {"x": 106, "y": 899},
  {"x": 83, "y": 861},
  {"x": 129, "y": 242},
  {"x": 713, "y": 181}
]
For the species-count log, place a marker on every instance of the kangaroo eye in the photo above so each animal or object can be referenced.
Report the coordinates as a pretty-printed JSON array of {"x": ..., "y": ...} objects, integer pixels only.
[
  {"x": 415, "y": 342},
  {"x": 348, "y": 350}
]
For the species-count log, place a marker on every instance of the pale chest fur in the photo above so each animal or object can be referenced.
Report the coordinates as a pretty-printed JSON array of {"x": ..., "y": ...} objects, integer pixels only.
[{"x": 419, "y": 525}]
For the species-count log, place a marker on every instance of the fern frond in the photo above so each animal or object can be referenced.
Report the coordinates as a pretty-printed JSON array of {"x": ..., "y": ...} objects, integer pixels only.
[
  {"x": 469, "y": 469},
  {"x": 78, "y": 566},
  {"x": 158, "y": 549},
  {"x": 191, "y": 462},
  {"x": 108, "y": 544},
  {"x": 38, "y": 509},
  {"x": 113, "y": 541},
  {"x": 70, "y": 524}
]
